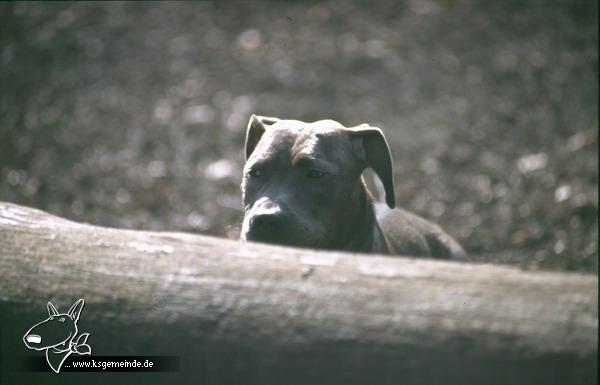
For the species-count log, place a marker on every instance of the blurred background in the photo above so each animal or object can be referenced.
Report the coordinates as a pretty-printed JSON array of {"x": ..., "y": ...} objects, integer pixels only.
[{"x": 133, "y": 114}]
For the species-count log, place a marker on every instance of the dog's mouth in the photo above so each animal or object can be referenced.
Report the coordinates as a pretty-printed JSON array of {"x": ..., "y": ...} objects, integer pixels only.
[
  {"x": 280, "y": 227},
  {"x": 274, "y": 237},
  {"x": 280, "y": 236}
]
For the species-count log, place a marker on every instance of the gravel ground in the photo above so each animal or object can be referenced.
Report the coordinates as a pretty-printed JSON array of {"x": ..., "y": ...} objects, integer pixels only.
[{"x": 133, "y": 114}]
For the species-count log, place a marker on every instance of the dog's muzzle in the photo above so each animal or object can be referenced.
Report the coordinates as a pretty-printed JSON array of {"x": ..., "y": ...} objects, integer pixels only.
[{"x": 266, "y": 222}]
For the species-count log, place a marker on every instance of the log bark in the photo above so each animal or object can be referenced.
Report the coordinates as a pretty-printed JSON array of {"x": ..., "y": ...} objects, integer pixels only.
[{"x": 252, "y": 313}]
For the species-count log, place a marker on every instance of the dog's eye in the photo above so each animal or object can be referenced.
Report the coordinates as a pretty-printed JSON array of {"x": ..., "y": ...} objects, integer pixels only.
[
  {"x": 254, "y": 173},
  {"x": 315, "y": 174}
]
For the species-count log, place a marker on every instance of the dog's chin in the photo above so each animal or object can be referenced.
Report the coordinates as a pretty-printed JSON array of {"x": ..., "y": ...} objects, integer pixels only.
[{"x": 276, "y": 239}]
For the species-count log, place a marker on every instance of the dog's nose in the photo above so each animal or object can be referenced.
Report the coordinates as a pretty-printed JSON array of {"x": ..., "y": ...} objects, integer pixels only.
[
  {"x": 269, "y": 221},
  {"x": 34, "y": 339},
  {"x": 266, "y": 221}
]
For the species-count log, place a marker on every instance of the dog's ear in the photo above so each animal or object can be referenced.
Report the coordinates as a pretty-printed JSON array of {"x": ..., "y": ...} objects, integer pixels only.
[
  {"x": 75, "y": 310},
  {"x": 372, "y": 147},
  {"x": 52, "y": 310},
  {"x": 256, "y": 128}
]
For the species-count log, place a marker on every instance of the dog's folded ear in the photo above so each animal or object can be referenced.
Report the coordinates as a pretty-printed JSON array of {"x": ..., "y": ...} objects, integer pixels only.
[
  {"x": 256, "y": 128},
  {"x": 374, "y": 150}
]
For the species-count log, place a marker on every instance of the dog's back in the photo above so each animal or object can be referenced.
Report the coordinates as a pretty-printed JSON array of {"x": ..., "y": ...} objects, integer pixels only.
[{"x": 409, "y": 234}]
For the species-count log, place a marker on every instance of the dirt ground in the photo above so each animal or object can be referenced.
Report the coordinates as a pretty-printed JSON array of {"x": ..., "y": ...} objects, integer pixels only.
[{"x": 133, "y": 114}]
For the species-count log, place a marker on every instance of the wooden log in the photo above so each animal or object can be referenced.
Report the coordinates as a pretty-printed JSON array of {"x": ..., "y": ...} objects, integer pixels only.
[{"x": 252, "y": 313}]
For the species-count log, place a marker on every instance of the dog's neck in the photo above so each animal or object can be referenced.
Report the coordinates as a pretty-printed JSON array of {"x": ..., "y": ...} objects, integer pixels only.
[
  {"x": 361, "y": 233},
  {"x": 56, "y": 357}
]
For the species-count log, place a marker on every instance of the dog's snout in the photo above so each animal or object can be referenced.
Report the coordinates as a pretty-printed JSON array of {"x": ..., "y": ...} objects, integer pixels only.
[
  {"x": 266, "y": 221},
  {"x": 267, "y": 216}
]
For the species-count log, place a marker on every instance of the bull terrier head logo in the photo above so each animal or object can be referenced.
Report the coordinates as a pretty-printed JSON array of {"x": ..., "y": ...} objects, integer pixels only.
[{"x": 57, "y": 335}]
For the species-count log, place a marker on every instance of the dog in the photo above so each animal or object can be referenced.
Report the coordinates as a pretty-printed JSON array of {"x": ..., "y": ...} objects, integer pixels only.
[
  {"x": 302, "y": 186},
  {"x": 58, "y": 336}
]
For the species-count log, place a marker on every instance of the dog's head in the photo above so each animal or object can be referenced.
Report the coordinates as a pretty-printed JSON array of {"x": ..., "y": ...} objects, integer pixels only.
[
  {"x": 55, "y": 331},
  {"x": 301, "y": 179}
]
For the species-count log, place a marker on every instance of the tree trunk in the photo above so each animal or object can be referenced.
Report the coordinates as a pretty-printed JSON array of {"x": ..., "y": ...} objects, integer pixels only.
[{"x": 252, "y": 313}]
